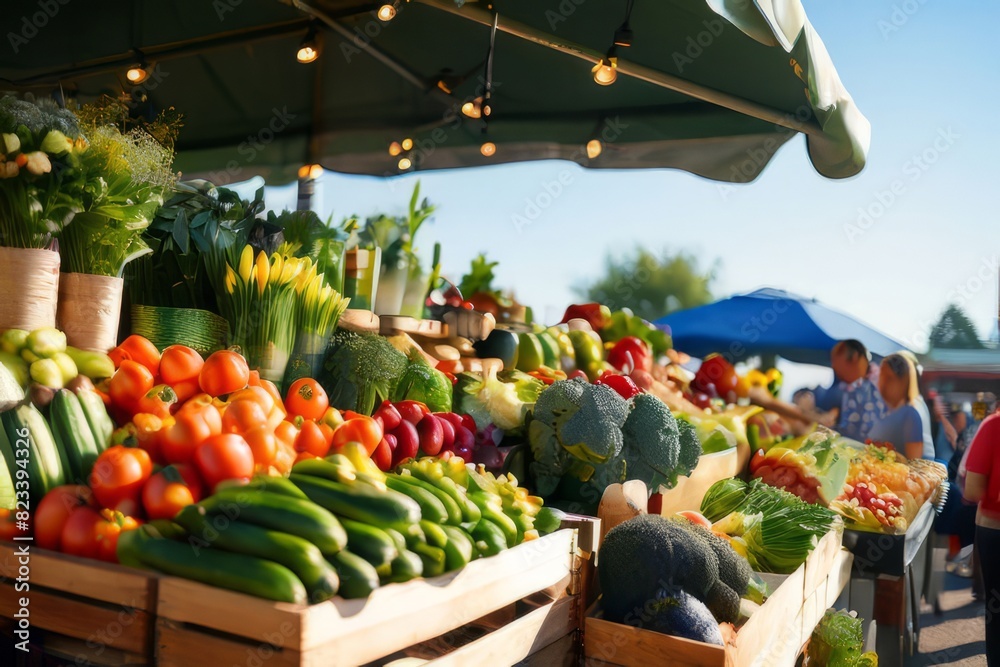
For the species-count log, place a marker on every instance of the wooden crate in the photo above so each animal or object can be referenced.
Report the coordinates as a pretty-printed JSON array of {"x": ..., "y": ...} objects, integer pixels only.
[
  {"x": 80, "y": 608},
  {"x": 523, "y": 600},
  {"x": 772, "y": 637}
]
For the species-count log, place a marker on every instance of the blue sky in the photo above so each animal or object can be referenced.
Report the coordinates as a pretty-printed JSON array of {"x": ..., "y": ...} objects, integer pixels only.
[{"x": 916, "y": 69}]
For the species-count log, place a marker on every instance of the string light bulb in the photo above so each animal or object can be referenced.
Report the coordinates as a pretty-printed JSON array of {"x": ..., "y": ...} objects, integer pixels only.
[
  {"x": 388, "y": 11},
  {"x": 307, "y": 53},
  {"x": 594, "y": 148},
  {"x": 309, "y": 47},
  {"x": 310, "y": 172},
  {"x": 137, "y": 73},
  {"x": 395, "y": 149},
  {"x": 488, "y": 149},
  {"x": 473, "y": 108},
  {"x": 407, "y": 144},
  {"x": 606, "y": 70},
  {"x": 404, "y": 163}
]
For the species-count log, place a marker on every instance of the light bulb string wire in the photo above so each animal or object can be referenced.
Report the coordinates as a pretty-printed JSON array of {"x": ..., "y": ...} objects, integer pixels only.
[{"x": 488, "y": 84}]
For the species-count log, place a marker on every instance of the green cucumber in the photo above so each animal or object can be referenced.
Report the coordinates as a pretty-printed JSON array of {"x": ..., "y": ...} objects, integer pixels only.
[
  {"x": 73, "y": 434},
  {"x": 98, "y": 418},
  {"x": 359, "y": 502},
  {"x": 26, "y": 430},
  {"x": 452, "y": 508},
  {"x": 270, "y": 483},
  {"x": 301, "y": 557},
  {"x": 406, "y": 566},
  {"x": 357, "y": 576},
  {"x": 369, "y": 542},
  {"x": 224, "y": 569},
  {"x": 8, "y": 473},
  {"x": 431, "y": 508},
  {"x": 277, "y": 512}
]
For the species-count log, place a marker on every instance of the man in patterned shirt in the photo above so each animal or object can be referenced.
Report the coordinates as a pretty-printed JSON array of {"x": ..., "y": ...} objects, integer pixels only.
[{"x": 861, "y": 405}]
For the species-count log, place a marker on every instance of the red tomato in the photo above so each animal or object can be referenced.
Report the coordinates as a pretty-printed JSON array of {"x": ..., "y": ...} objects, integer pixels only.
[
  {"x": 130, "y": 383},
  {"x": 79, "y": 533},
  {"x": 719, "y": 373},
  {"x": 138, "y": 349},
  {"x": 193, "y": 425},
  {"x": 307, "y": 399},
  {"x": 258, "y": 395},
  {"x": 170, "y": 490},
  {"x": 118, "y": 477},
  {"x": 360, "y": 429},
  {"x": 221, "y": 457},
  {"x": 179, "y": 363},
  {"x": 311, "y": 439},
  {"x": 54, "y": 510},
  {"x": 224, "y": 372}
]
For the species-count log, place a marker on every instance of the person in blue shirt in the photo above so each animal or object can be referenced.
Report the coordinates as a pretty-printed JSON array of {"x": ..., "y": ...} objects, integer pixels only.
[
  {"x": 861, "y": 406},
  {"x": 902, "y": 427}
]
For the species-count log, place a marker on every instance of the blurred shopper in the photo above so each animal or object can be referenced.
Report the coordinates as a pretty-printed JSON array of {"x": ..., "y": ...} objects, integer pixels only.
[
  {"x": 901, "y": 426},
  {"x": 921, "y": 405},
  {"x": 861, "y": 406},
  {"x": 958, "y": 519},
  {"x": 982, "y": 486}
]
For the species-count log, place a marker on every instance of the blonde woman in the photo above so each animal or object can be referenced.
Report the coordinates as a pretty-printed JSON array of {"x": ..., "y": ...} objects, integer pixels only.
[{"x": 902, "y": 427}]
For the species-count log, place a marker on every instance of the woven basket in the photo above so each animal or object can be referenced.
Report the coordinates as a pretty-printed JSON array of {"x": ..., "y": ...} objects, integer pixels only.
[
  {"x": 89, "y": 310},
  {"x": 30, "y": 281},
  {"x": 204, "y": 331}
]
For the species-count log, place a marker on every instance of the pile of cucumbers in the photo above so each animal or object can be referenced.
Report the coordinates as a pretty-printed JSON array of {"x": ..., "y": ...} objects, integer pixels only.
[
  {"x": 336, "y": 526},
  {"x": 59, "y": 450}
]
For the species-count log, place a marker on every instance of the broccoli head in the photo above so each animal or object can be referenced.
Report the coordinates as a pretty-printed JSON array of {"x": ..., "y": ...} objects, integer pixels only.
[
  {"x": 361, "y": 370},
  {"x": 575, "y": 422},
  {"x": 651, "y": 552},
  {"x": 657, "y": 449}
]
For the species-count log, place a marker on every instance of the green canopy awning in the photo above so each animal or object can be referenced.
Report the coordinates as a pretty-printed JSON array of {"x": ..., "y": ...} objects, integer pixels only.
[{"x": 709, "y": 86}]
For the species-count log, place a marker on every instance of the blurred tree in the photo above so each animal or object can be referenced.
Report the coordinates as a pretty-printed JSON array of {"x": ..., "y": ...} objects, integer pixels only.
[
  {"x": 955, "y": 331},
  {"x": 651, "y": 285}
]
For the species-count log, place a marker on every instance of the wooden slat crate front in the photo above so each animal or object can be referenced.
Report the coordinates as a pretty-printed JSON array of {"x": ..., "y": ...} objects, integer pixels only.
[
  {"x": 101, "y": 612},
  {"x": 199, "y": 624}
]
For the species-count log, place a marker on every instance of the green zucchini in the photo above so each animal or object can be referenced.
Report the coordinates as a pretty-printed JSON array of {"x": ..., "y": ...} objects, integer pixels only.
[
  {"x": 431, "y": 507},
  {"x": 277, "y": 512},
  {"x": 26, "y": 430},
  {"x": 357, "y": 576},
  {"x": 98, "y": 418},
  {"x": 451, "y": 507},
  {"x": 73, "y": 435},
  {"x": 301, "y": 557},
  {"x": 369, "y": 542},
  {"x": 237, "y": 572},
  {"x": 360, "y": 501}
]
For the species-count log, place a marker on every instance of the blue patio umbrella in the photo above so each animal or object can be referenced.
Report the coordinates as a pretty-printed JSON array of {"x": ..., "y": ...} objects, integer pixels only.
[{"x": 771, "y": 321}]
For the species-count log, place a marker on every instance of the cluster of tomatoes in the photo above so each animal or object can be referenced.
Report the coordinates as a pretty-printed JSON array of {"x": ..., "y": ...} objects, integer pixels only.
[{"x": 188, "y": 424}]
